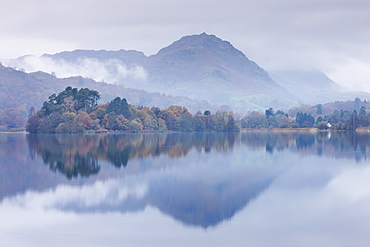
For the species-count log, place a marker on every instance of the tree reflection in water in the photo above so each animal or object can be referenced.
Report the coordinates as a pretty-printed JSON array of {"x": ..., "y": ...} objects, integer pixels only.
[
  {"x": 338, "y": 144},
  {"x": 228, "y": 171},
  {"x": 70, "y": 155},
  {"x": 78, "y": 155}
]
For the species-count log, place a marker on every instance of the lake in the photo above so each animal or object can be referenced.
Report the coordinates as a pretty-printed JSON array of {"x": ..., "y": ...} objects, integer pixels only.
[{"x": 185, "y": 189}]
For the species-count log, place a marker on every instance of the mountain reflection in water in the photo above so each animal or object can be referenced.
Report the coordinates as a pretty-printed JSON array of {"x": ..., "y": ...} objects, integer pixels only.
[{"x": 200, "y": 179}]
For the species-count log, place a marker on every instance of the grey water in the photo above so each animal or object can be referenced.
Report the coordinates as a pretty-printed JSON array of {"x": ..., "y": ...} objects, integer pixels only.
[{"x": 185, "y": 189}]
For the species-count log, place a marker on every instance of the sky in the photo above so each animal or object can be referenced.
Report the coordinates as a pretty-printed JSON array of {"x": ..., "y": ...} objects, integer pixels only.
[{"x": 329, "y": 35}]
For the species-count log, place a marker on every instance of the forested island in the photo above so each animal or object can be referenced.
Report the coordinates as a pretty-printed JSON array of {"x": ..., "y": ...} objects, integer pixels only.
[{"x": 74, "y": 111}]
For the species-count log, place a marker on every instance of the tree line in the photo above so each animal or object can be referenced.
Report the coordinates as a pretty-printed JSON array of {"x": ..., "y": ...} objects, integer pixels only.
[
  {"x": 65, "y": 154},
  {"x": 74, "y": 110},
  {"x": 338, "y": 120}
]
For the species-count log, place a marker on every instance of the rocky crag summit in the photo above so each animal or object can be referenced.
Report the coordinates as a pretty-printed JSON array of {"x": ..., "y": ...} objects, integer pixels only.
[{"x": 203, "y": 66}]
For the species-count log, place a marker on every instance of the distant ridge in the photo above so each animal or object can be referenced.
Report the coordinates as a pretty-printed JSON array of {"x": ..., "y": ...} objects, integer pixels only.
[
  {"x": 130, "y": 57},
  {"x": 313, "y": 86},
  {"x": 201, "y": 67}
]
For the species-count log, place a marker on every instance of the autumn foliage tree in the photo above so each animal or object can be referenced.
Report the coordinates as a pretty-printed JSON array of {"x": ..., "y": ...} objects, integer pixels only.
[
  {"x": 76, "y": 110},
  {"x": 65, "y": 112}
]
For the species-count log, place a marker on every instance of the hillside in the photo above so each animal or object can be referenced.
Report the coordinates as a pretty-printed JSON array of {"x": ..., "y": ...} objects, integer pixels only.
[
  {"x": 313, "y": 86},
  {"x": 206, "y": 67},
  {"x": 200, "y": 72},
  {"x": 20, "y": 91},
  {"x": 201, "y": 67}
]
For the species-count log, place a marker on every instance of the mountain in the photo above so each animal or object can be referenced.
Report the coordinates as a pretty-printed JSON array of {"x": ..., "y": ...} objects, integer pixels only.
[
  {"x": 195, "y": 67},
  {"x": 201, "y": 67},
  {"x": 206, "y": 67},
  {"x": 313, "y": 86},
  {"x": 182, "y": 190}
]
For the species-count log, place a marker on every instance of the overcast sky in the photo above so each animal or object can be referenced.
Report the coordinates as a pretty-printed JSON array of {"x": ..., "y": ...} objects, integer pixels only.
[{"x": 330, "y": 35}]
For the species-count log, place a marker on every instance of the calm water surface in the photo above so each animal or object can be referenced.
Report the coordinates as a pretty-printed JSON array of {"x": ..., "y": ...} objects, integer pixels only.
[{"x": 240, "y": 189}]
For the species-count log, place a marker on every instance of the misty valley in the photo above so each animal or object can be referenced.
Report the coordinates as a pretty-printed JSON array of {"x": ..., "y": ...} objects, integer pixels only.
[{"x": 176, "y": 189}]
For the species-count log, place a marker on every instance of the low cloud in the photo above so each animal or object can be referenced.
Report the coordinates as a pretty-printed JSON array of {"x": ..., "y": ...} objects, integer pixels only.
[
  {"x": 108, "y": 193},
  {"x": 112, "y": 71}
]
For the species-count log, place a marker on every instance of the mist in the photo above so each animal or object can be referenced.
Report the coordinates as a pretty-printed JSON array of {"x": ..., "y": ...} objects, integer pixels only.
[{"x": 112, "y": 71}]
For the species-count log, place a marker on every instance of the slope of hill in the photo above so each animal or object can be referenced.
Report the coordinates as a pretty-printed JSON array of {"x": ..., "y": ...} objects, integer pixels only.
[
  {"x": 108, "y": 91},
  {"x": 313, "y": 86},
  {"x": 197, "y": 66},
  {"x": 19, "y": 91},
  {"x": 203, "y": 66}
]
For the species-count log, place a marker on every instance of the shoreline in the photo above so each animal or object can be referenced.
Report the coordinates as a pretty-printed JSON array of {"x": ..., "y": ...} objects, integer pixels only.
[
  {"x": 309, "y": 130},
  {"x": 363, "y": 130}
]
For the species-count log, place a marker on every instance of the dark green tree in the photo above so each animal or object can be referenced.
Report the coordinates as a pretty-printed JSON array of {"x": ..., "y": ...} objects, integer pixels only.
[
  {"x": 231, "y": 124},
  {"x": 119, "y": 107},
  {"x": 352, "y": 122},
  {"x": 86, "y": 100},
  {"x": 304, "y": 120},
  {"x": 208, "y": 121},
  {"x": 362, "y": 111},
  {"x": 319, "y": 109},
  {"x": 357, "y": 104},
  {"x": 269, "y": 112}
]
